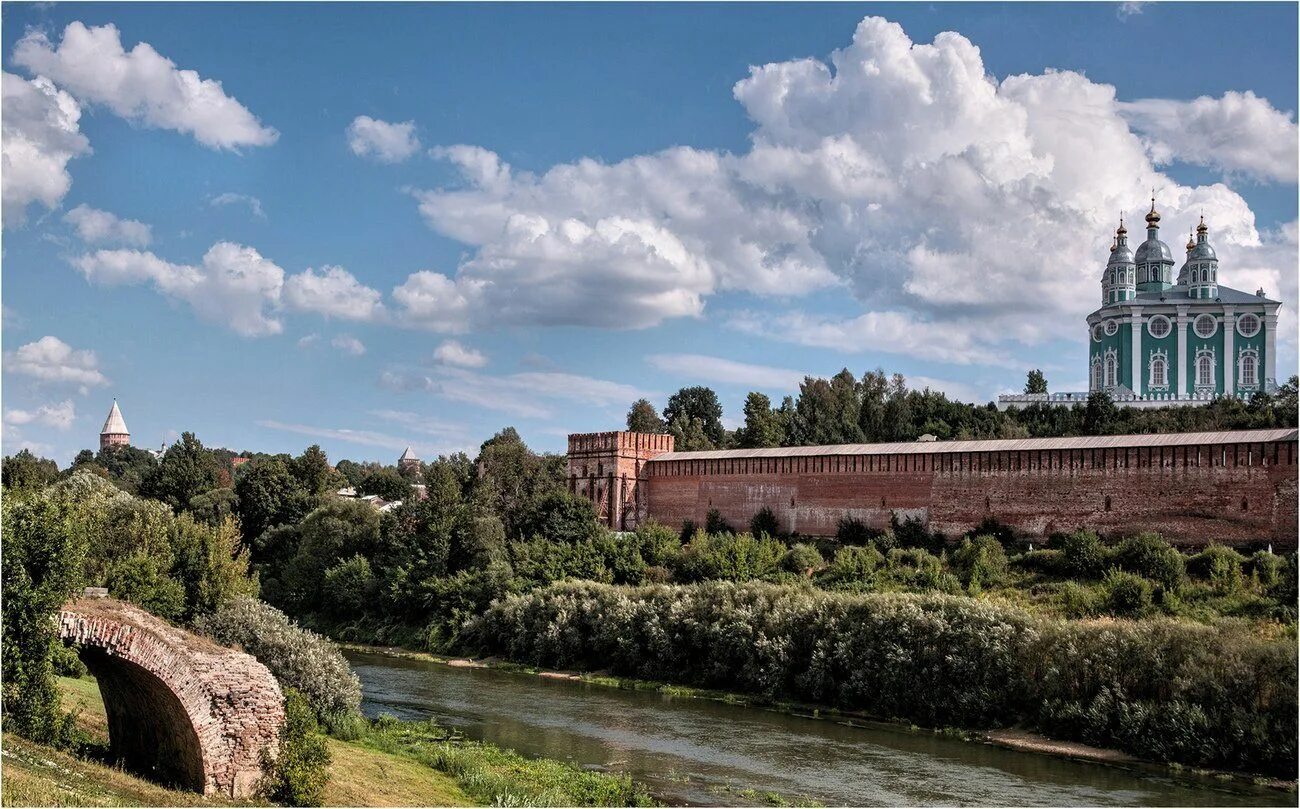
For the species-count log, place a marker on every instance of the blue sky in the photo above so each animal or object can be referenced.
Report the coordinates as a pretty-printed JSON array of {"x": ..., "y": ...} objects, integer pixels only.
[{"x": 395, "y": 224}]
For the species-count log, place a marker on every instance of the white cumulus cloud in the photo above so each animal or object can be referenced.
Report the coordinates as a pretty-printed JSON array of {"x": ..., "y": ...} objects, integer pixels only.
[
  {"x": 59, "y": 415},
  {"x": 141, "y": 85},
  {"x": 253, "y": 204},
  {"x": 382, "y": 141},
  {"x": 728, "y": 372},
  {"x": 349, "y": 345},
  {"x": 333, "y": 292},
  {"x": 233, "y": 286},
  {"x": 1236, "y": 133},
  {"x": 98, "y": 227},
  {"x": 41, "y": 134},
  {"x": 452, "y": 352},
  {"x": 49, "y": 359}
]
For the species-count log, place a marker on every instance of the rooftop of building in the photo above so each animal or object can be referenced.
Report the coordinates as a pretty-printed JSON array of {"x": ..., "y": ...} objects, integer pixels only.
[{"x": 995, "y": 445}]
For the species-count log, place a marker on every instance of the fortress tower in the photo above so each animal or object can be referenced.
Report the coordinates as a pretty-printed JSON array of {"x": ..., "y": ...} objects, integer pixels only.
[
  {"x": 408, "y": 463},
  {"x": 114, "y": 433},
  {"x": 609, "y": 470}
]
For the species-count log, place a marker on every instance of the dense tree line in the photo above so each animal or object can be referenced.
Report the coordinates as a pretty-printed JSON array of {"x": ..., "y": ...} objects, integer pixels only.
[{"x": 880, "y": 408}]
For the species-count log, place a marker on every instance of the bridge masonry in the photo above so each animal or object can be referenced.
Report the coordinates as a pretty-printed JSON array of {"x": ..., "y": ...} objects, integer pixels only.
[{"x": 181, "y": 709}]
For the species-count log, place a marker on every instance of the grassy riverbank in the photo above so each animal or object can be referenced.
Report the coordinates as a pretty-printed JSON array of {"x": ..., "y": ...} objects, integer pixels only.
[{"x": 391, "y": 764}]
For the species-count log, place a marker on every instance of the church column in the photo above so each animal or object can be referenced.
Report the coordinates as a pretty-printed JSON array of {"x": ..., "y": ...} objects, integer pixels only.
[
  {"x": 1181, "y": 362},
  {"x": 1270, "y": 346},
  {"x": 1229, "y": 356},
  {"x": 1136, "y": 369}
]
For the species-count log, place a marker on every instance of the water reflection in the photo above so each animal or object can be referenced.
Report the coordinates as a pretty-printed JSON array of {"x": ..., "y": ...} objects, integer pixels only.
[{"x": 692, "y": 751}]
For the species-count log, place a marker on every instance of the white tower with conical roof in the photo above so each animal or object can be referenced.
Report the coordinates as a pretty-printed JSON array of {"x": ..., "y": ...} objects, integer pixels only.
[
  {"x": 409, "y": 462},
  {"x": 114, "y": 433}
]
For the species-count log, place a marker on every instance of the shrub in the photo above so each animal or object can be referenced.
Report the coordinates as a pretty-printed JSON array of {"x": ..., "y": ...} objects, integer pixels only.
[
  {"x": 1082, "y": 555},
  {"x": 298, "y": 773},
  {"x": 852, "y": 531},
  {"x": 1267, "y": 568},
  {"x": 714, "y": 524},
  {"x": 911, "y": 532},
  {"x": 991, "y": 527},
  {"x": 67, "y": 663},
  {"x": 657, "y": 543},
  {"x": 1125, "y": 594},
  {"x": 137, "y": 579},
  {"x": 980, "y": 562},
  {"x": 764, "y": 523},
  {"x": 1150, "y": 556},
  {"x": 734, "y": 557},
  {"x": 802, "y": 558},
  {"x": 1220, "y": 566},
  {"x": 299, "y": 659},
  {"x": 1079, "y": 600},
  {"x": 688, "y": 530},
  {"x": 349, "y": 587},
  {"x": 854, "y": 565},
  {"x": 1048, "y": 562}
]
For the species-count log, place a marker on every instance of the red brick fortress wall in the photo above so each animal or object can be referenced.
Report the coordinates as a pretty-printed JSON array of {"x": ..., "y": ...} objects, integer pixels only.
[
  {"x": 1194, "y": 488},
  {"x": 609, "y": 470}
]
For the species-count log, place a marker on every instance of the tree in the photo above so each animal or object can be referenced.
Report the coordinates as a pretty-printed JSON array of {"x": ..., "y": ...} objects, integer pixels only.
[
  {"x": 1100, "y": 414},
  {"x": 874, "y": 392},
  {"x": 312, "y": 469},
  {"x": 1036, "y": 382},
  {"x": 388, "y": 483},
  {"x": 127, "y": 466},
  {"x": 268, "y": 495},
  {"x": 513, "y": 481},
  {"x": 700, "y": 403},
  {"x": 827, "y": 411},
  {"x": 643, "y": 418},
  {"x": 689, "y": 434},
  {"x": 763, "y": 425},
  {"x": 26, "y": 471},
  {"x": 186, "y": 470}
]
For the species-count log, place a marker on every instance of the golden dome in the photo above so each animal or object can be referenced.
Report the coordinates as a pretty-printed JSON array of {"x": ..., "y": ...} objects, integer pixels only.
[
  {"x": 1191, "y": 243},
  {"x": 1153, "y": 218},
  {"x": 1202, "y": 228}
]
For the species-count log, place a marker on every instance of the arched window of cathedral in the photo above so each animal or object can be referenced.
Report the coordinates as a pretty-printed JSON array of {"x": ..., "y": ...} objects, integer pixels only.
[
  {"x": 1110, "y": 370},
  {"x": 1159, "y": 372},
  {"x": 1205, "y": 369},
  {"x": 1247, "y": 368},
  {"x": 1096, "y": 374}
]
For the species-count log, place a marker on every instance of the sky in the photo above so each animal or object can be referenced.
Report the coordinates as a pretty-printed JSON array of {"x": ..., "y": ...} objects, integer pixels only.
[{"x": 368, "y": 226}]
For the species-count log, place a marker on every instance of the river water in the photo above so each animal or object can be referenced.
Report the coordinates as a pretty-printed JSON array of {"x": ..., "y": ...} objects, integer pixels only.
[{"x": 696, "y": 751}]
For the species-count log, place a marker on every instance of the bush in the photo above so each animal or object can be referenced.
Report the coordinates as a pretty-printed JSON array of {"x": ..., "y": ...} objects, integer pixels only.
[
  {"x": 298, "y": 773},
  {"x": 67, "y": 663},
  {"x": 137, "y": 579},
  {"x": 1048, "y": 562},
  {"x": 733, "y": 557},
  {"x": 803, "y": 559},
  {"x": 349, "y": 587},
  {"x": 1083, "y": 556},
  {"x": 852, "y": 531},
  {"x": 1079, "y": 600},
  {"x": 852, "y": 566},
  {"x": 658, "y": 544},
  {"x": 298, "y": 658},
  {"x": 1220, "y": 566},
  {"x": 1126, "y": 595},
  {"x": 980, "y": 562},
  {"x": 1150, "y": 556},
  {"x": 764, "y": 523},
  {"x": 991, "y": 527},
  {"x": 1267, "y": 568},
  {"x": 714, "y": 524},
  {"x": 911, "y": 532}
]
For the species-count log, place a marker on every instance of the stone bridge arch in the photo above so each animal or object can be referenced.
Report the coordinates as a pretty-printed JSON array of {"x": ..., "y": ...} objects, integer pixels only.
[{"x": 181, "y": 709}]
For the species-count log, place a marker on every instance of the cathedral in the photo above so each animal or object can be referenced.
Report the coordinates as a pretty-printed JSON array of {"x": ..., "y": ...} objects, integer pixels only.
[{"x": 1161, "y": 337}]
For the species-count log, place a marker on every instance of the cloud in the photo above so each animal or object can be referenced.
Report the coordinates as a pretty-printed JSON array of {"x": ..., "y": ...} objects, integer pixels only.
[
  {"x": 41, "y": 134},
  {"x": 968, "y": 216},
  {"x": 369, "y": 438},
  {"x": 349, "y": 345},
  {"x": 727, "y": 372},
  {"x": 230, "y": 198},
  {"x": 97, "y": 227},
  {"x": 382, "y": 141},
  {"x": 529, "y": 394},
  {"x": 49, "y": 359},
  {"x": 141, "y": 85},
  {"x": 451, "y": 352},
  {"x": 233, "y": 286},
  {"x": 59, "y": 415},
  {"x": 308, "y": 340},
  {"x": 426, "y": 425},
  {"x": 1129, "y": 8},
  {"x": 334, "y": 293},
  {"x": 1237, "y": 133}
]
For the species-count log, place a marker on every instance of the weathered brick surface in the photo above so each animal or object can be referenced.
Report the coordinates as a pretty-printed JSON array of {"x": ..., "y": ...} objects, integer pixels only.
[
  {"x": 1233, "y": 492},
  {"x": 609, "y": 470},
  {"x": 180, "y": 708}
]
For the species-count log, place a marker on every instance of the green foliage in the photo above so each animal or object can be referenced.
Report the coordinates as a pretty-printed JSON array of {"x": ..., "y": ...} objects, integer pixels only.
[
  {"x": 764, "y": 523},
  {"x": 564, "y": 517},
  {"x": 803, "y": 559},
  {"x": 298, "y": 773},
  {"x": 512, "y": 481},
  {"x": 1220, "y": 566},
  {"x": 127, "y": 466},
  {"x": 764, "y": 426},
  {"x": 715, "y": 524},
  {"x": 733, "y": 557},
  {"x": 700, "y": 406},
  {"x": 42, "y": 567},
  {"x": 853, "y": 567},
  {"x": 349, "y": 587},
  {"x": 1150, "y": 556},
  {"x": 980, "y": 562},
  {"x": 1083, "y": 555},
  {"x": 313, "y": 471},
  {"x": 138, "y": 578},
  {"x": 658, "y": 544},
  {"x": 187, "y": 469},
  {"x": 388, "y": 483},
  {"x": 1079, "y": 600},
  {"x": 1035, "y": 382},
  {"x": 66, "y": 661},
  {"x": 1126, "y": 595},
  {"x": 1267, "y": 568},
  {"x": 215, "y": 505},
  {"x": 298, "y": 658},
  {"x": 25, "y": 471},
  {"x": 852, "y": 531},
  {"x": 643, "y": 418},
  {"x": 268, "y": 495},
  {"x": 827, "y": 411},
  {"x": 1200, "y": 695}
]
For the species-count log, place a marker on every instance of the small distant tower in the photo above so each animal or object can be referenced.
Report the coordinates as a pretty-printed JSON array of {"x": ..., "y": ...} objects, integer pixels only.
[
  {"x": 114, "y": 433},
  {"x": 408, "y": 463}
]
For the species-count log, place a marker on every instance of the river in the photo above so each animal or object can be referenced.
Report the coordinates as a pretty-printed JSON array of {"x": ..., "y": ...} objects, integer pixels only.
[{"x": 695, "y": 751}]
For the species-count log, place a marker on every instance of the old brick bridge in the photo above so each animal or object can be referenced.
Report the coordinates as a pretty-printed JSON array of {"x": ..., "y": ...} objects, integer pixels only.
[{"x": 181, "y": 709}]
